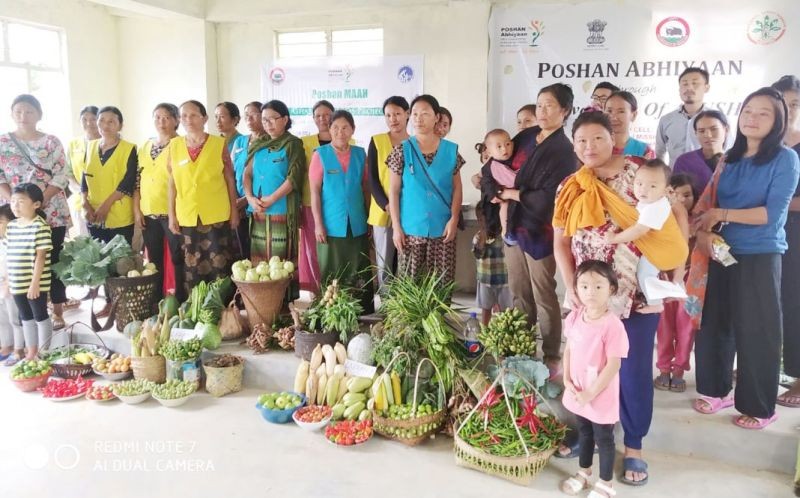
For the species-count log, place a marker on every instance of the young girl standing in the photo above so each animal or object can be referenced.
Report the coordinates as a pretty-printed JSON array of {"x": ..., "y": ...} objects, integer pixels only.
[
  {"x": 596, "y": 344},
  {"x": 28, "y": 262},
  {"x": 12, "y": 343}
]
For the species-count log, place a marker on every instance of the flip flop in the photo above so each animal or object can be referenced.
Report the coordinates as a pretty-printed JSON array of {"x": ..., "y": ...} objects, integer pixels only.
[
  {"x": 762, "y": 422},
  {"x": 662, "y": 382},
  {"x": 573, "y": 451},
  {"x": 716, "y": 404},
  {"x": 677, "y": 385},
  {"x": 11, "y": 361},
  {"x": 784, "y": 400},
  {"x": 631, "y": 464}
]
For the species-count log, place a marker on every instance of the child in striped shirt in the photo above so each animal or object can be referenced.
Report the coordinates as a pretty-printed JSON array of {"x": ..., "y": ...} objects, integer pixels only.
[
  {"x": 12, "y": 342},
  {"x": 28, "y": 262}
]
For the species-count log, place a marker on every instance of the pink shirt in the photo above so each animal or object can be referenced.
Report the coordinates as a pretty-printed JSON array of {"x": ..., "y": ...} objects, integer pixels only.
[
  {"x": 590, "y": 346},
  {"x": 315, "y": 171}
]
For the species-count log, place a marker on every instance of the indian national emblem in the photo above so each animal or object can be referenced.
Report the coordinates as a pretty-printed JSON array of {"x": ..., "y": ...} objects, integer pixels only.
[{"x": 596, "y": 28}]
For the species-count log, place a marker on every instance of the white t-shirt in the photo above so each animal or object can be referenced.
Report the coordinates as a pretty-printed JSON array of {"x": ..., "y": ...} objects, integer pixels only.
[{"x": 653, "y": 215}]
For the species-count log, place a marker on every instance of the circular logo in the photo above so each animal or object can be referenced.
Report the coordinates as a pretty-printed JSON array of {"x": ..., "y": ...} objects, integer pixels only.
[
  {"x": 673, "y": 31},
  {"x": 405, "y": 74},
  {"x": 277, "y": 75},
  {"x": 766, "y": 28}
]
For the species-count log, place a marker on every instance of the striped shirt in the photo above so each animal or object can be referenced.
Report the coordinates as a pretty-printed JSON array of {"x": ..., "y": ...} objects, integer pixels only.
[{"x": 23, "y": 242}]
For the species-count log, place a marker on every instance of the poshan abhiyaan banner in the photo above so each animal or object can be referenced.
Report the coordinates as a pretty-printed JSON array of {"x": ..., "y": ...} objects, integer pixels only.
[
  {"x": 743, "y": 45},
  {"x": 357, "y": 84}
]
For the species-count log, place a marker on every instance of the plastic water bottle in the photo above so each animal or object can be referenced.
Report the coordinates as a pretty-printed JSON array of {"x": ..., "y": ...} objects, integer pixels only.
[{"x": 471, "y": 342}]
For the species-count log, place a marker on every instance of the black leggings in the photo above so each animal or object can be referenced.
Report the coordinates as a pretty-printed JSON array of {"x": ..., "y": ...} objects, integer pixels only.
[
  {"x": 58, "y": 292},
  {"x": 602, "y": 435},
  {"x": 790, "y": 297},
  {"x": 155, "y": 230},
  {"x": 32, "y": 309},
  {"x": 105, "y": 235}
]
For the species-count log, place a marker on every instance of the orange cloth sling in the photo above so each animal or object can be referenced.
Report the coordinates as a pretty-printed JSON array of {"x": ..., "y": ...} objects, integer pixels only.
[{"x": 583, "y": 202}]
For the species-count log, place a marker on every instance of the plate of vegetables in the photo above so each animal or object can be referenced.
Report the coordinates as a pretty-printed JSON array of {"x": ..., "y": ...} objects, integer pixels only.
[
  {"x": 349, "y": 432},
  {"x": 312, "y": 418},
  {"x": 173, "y": 392},
  {"x": 66, "y": 389},
  {"x": 100, "y": 392},
  {"x": 133, "y": 392}
]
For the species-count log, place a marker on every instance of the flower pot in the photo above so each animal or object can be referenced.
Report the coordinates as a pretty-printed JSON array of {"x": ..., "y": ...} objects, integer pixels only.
[{"x": 305, "y": 342}]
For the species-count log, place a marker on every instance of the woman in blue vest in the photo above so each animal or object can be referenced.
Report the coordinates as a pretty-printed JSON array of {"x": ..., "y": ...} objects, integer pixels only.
[
  {"x": 252, "y": 117},
  {"x": 425, "y": 195},
  {"x": 272, "y": 181},
  {"x": 339, "y": 198}
]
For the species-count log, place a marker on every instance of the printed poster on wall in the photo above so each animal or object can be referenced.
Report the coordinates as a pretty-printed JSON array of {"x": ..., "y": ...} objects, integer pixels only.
[
  {"x": 358, "y": 84},
  {"x": 640, "y": 49}
]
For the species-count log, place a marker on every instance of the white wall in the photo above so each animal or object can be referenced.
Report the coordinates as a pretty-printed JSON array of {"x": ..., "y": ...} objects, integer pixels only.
[
  {"x": 452, "y": 38},
  {"x": 161, "y": 61},
  {"x": 93, "y": 68}
]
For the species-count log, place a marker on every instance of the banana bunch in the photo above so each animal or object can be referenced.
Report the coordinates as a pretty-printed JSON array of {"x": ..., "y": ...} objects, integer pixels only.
[{"x": 509, "y": 334}]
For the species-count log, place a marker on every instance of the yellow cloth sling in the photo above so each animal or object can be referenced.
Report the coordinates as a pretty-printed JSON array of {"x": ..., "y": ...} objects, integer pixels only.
[{"x": 583, "y": 202}]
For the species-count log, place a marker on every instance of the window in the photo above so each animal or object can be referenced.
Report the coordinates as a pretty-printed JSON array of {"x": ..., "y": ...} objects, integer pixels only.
[
  {"x": 32, "y": 61},
  {"x": 368, "y": 41}
]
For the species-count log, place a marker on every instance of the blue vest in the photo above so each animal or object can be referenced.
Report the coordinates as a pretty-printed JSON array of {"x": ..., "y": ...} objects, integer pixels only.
[
  {"x": 270, "y": 169},
  {"x": 342, "y": 193},
  {"x": 422, "y": 211},
  {"x": 239, "y": 158}
]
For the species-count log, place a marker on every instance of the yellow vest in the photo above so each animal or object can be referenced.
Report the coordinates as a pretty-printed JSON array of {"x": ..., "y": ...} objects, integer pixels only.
[
  {"x": 310, "y": 144},
  {"x": 76, "y": 151},
  {"x": 377, "y": 216},
  {"x": 103, "y": 180},
  {"x": 200, "y": 185},
  {"x": 154, "y": 180}
]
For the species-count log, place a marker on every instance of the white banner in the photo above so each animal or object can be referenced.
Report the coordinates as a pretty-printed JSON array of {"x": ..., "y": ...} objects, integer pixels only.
[
  {"x": 358, "y": 84},
  {"x": 640, "y": 49}
]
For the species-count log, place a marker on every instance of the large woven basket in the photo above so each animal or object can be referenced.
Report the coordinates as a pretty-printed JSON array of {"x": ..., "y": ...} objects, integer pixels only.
[
  {"x": 263, "y": 300},
  {"x": 224, "y": 380},
  {"x": 152, "y": 368},
  {"x": 519, "y": 470},
  {"x": 65, "y": 367},
  {"x": 410, "y": 432},
  {"x": 136, "y": 298}
]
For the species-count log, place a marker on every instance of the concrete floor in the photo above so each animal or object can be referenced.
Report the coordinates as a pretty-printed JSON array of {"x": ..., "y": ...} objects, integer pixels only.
[
  {"x": 213, "y": 446},
  {"x": 216, "y": 446}
]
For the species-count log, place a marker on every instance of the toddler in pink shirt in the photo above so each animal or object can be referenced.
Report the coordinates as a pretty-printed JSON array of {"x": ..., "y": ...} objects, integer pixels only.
[{"x": 596, "y": 344}]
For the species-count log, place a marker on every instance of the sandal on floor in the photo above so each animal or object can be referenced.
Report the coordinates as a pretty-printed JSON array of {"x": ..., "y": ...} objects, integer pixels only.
[
  {"x": 12, "y": 360},
  {"x": 760, "y": 422},
  {"x": 677, "y": 385},
  {"x": 631, "y": 464},
  {"x": 789, "y": 400},
  {"x": 715, "y": 404},
  {"x": 573, "y": 451},
  {"x": 58, "y": 322},
  {"x": 601, "y": 490},
  {"x": 71, "y": 304},
  {"x": 662, "y": 382},
  {"x": 573, "y": 485}
]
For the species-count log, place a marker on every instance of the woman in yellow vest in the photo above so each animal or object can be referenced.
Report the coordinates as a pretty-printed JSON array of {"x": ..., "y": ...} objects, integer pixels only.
[
  {"x": 150, "y": 207},
  {"x": 339, "y": 200},
  {"x": 202, "y": 198},
  {"x": 308, "y": 264},
  {"x": 272, "y": 181},
  {"x": 76, "y": 155},
  {"x": 109, "y": 179},
  {"x": 395, "y": 112}
]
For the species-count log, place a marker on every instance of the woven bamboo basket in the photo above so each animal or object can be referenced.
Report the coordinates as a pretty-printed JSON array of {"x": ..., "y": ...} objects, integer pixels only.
[
  {"x": 520, "y": 469},
  {"x": 410, "y": 432},
  {"x": 152, "y": 368},
  {"x": 136, "y": 298},
  {"x": 263, "y": 300},
  {"x": 65, "y": 367},
  {"x": 224, "y": 380}
]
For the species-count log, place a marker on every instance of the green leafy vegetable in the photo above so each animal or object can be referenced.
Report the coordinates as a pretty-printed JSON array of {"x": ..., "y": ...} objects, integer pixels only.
[{"x": 86, "y": 261}]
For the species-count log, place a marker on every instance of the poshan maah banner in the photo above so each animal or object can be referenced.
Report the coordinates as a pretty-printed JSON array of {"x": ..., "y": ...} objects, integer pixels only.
[
  {"x": 357, "y": 84},
  {"x": 640, "y": 49}
]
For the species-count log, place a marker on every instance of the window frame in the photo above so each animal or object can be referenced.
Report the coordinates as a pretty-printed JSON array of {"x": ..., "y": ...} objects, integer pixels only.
[{"x": 329, "y": 43}]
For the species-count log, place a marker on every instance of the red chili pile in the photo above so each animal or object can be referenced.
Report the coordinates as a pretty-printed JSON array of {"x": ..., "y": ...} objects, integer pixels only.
[
  {"x": 349, "y": 432},
  {"x": 65, "y": 388}
]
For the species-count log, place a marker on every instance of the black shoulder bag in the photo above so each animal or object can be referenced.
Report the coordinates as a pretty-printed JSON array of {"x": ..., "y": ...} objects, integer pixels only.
[{"x": 423, "y": 168}]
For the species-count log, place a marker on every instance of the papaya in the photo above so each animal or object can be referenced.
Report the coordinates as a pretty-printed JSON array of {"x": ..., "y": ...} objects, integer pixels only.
[{"x": 168, "y": 307}]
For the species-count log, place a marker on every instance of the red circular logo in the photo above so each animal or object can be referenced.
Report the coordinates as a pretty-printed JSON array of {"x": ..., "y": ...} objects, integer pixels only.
[{"x": 673, "y": 31}]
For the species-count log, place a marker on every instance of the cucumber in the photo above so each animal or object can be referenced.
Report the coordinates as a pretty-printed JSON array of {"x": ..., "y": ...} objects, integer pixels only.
[
  {"x": 353, "y": 398},
  {"x": 338, "y": 411},
  {"x": 354, "y": 411}
]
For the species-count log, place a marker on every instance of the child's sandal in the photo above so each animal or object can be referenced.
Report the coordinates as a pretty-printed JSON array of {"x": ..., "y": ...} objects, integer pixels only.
[
  {"x": 573, "y": 485},
  {"x": 601, "y": 490}
]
